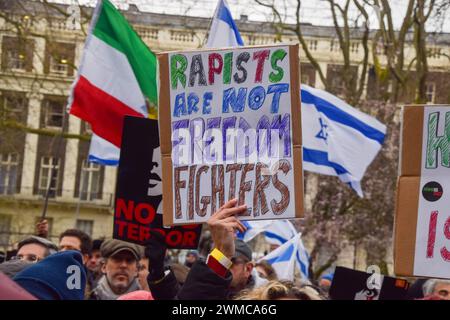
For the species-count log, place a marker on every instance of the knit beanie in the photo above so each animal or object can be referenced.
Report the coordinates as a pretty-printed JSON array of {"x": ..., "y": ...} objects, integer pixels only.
[{"x": 60, "y": 276}]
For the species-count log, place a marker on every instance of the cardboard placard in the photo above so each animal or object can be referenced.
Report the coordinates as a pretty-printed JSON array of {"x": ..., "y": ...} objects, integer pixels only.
[
  {"x": 230, "y": 127},
  {"x": 138, "y": 206},
  {"x": 422, "y": 223},
  {"x": 349, "y": 284}
]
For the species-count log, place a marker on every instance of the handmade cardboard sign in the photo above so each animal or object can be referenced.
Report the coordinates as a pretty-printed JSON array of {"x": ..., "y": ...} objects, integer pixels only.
[
  {"x": 138, "y": 210},
  {"x": 422, "y": 226},
  {"x": 349, "y": 284},
  {"x": 230, "y": 128}
]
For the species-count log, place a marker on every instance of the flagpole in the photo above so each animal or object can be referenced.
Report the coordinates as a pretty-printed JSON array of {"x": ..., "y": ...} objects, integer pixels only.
[
  {"x": 54, "y": 174},
  {"x": 80, "y": 188},
  {"x": 210, "y": 23}
]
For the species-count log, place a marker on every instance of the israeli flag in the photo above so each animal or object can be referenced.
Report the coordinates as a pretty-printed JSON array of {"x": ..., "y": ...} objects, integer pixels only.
[
  {"x": 289, "y": 257},
  {"x": 277, "y": 232},
  {"x": 103, "y": 152},
  {"x": 253, "y": 229},
  {"x": 223, "y": 31},
  {"x": 338, "y": 139}
]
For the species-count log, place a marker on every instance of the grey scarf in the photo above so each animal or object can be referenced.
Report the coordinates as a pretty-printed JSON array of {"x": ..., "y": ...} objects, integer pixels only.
[{"x": 104, "y": 292}]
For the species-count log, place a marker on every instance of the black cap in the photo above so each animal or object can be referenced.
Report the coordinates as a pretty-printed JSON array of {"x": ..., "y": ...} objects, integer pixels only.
[{"x": 242, "y": 249}]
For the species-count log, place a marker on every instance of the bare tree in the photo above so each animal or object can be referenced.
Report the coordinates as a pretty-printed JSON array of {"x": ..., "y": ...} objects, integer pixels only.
[
  {"x": 408, "y": 78},
  {"x": 347, "y": 30},
  {"x": 339, "y": 217}
]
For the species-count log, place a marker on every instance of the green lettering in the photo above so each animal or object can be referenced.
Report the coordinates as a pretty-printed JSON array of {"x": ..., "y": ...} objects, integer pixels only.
[
  {"x": 227, "y": 65},
  {"x": 436, "y": 143},
  {"x": 178, "y": 65},
  {"x": 277, "y": 56}
]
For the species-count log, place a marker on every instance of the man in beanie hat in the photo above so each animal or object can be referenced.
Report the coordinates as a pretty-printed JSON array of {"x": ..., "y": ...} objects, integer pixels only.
[
  {"x": 120, "y": 269},
  {"x": 60, "y": 276}
]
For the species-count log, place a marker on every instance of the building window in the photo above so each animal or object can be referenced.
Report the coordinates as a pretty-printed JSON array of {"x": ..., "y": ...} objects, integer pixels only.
[
  {"x": 17, "y": 54},
  {"x": 59, "y": 65},
  {"x": 5, "y": 229},
  {"x": 338, "y": 86},
  {"x": 9, "y": 170},
  {"x": 334, "y": 46},
  {"x": 430, "y": 92},
  {"x": 434, "y": 53},
  {"x": 15, "y": 60},
  {"x": 12, "y": 106},
  {"x": 312, "y": 45},
  {"x": 305, "y": 78},
  {"x": 53, "y": 113},
  {"x": 86, "y": 226},
  {"x": 59, "y": 59},
  {"x": 354, "y": 47},
  {"x": 90, "y": 181},
  {"x": 49, "y": 175}
]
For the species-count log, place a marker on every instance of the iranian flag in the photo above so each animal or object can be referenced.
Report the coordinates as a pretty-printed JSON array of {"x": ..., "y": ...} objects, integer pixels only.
[{"x": 116, "y": 76}]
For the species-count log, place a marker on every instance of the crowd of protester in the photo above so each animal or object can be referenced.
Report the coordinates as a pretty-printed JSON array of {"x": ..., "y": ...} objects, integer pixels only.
[{"x": 81, "y": 268}]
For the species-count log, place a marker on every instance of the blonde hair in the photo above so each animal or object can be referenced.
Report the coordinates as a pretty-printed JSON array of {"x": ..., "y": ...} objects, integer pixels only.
[{"x": 275, "y": 290}]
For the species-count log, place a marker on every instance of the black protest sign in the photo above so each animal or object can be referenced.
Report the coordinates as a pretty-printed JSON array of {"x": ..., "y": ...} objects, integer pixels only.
[
  {"x": 139, "y": 189},
  {"x": 349, "y": 284}
]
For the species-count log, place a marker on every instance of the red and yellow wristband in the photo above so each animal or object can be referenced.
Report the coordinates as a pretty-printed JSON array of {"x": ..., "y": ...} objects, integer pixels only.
[{"x": 218, "y": 262}]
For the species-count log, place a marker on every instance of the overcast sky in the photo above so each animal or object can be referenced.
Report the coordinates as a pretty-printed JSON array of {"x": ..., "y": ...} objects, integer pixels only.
[{"x": 316, "y": 12}]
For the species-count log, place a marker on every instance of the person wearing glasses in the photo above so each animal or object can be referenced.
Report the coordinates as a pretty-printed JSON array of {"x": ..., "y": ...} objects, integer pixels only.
[{"x": 34, "y": 249}]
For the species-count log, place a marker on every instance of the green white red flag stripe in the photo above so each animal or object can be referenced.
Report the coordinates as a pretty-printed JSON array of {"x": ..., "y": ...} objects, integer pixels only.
[{"x": 116, "y": 77}]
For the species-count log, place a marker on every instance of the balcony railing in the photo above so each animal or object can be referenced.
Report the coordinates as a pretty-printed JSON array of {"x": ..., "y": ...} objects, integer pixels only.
[{"x": 103, "y": 199}]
